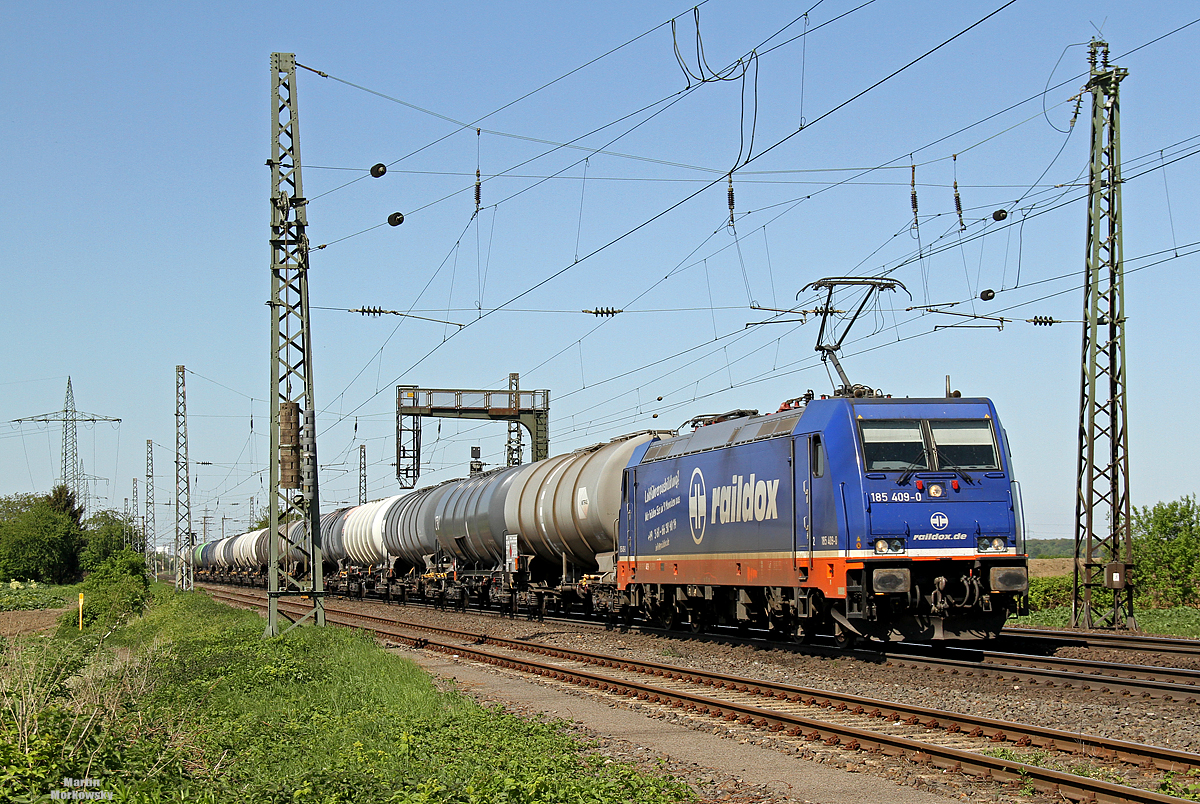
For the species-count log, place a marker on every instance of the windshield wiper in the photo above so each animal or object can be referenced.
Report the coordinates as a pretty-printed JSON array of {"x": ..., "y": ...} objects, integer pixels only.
[
  {"x": 907, "y": 474},
  {"x": 953, "y": 467}
]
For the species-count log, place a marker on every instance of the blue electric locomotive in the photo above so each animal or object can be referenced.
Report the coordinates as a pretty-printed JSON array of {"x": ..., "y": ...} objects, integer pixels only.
[{"x": 870, "y": 517}]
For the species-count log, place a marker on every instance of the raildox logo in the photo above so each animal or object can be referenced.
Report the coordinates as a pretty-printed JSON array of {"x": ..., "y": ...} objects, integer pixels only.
[
  {"x": 697, "y": 499},
  {"x": 939, "y": 521}
]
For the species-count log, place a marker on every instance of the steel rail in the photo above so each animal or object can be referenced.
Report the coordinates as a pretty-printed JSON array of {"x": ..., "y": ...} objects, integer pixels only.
[
  {"x": 1046, "y": 671},
  {"x": 1101, "y": 639},
  {"x": 996, "y": 731}
]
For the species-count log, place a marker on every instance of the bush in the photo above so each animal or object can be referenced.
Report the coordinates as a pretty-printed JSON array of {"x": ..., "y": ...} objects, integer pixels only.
[
  {"x": 114, "y": 591},
  {"x": 1166, "y": 554},
  {"x": 1047, "y": 593}
]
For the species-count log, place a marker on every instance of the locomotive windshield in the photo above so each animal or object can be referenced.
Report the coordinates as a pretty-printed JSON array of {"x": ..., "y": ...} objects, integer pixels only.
[
  {"x": 893, "y": 446},
  {"x": 900, "y": 445},
  {"x": 964, "y": 444}
]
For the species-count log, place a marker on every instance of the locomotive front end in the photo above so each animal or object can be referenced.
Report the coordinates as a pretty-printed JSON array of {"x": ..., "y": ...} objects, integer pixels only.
[{"x": 940, "y": 539}]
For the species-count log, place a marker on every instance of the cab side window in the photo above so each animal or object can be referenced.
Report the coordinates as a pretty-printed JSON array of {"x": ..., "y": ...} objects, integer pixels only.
[{"x": 817, "y": 456}]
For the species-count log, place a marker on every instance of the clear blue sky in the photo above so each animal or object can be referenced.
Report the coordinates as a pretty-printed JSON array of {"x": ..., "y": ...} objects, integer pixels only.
[{"x": 134, "y": 223}]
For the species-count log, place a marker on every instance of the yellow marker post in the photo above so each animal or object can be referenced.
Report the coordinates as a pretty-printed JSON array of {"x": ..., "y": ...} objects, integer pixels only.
[{"x": 81, "y": 611}]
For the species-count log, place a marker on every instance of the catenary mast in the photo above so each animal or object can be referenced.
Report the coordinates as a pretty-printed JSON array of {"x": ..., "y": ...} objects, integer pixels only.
[
  {"x": 1103, "y": 541},
  {"x": 294, "y": 504}
]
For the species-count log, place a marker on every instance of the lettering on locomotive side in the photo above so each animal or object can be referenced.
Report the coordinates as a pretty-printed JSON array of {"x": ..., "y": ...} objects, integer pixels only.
[
  {"x": 921, "y": 537},
  {"x": 672, "y": 482},
  {"x": 661, "y": 508},
  {"x": 744, "y": 500}
]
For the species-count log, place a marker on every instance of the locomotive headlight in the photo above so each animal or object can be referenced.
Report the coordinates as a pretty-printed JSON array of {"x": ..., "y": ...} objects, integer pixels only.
[
  {"x": 998, "y": 544},
  {"x": 896, "y": 545},
  {"x": 982, "y": 544},
  {"x": 881, "y": 546}
]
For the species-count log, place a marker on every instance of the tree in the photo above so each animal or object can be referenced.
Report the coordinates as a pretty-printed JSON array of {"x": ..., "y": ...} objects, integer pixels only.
[
  {"x": 37, "y": 541},
  {"x": 1166, "y": 553},
  {"x": 62, "y": 499},
  {"x": 106, "y": 534}
]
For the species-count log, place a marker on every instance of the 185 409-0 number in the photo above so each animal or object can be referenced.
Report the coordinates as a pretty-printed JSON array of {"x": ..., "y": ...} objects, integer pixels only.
[{"x": 895, "y": 496}]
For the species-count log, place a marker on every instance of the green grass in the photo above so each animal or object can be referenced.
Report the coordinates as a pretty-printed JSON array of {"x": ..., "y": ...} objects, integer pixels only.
[
  {"x": 194, "y": 705},
  {"x": 1041, "y": 758},
  {"x": 1182, "y": 785},
  {"x": 30, "y": 595}
]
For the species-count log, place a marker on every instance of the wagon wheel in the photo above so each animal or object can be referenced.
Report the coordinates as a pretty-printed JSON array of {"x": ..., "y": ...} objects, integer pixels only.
[
  {"x": 667, "y": 617},
  {"x": 697, "y": 621}
]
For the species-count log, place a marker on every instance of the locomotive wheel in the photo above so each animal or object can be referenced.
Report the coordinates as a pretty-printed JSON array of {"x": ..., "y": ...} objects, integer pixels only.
[{"x": 844, "y": 638}]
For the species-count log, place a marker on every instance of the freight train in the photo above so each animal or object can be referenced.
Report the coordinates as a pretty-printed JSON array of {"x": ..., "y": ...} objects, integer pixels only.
[{"x": 860, "y": 517}]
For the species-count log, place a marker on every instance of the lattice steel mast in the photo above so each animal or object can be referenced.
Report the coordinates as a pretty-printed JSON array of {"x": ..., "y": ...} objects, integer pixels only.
[
  {"x": 1103, "y": 542},
  {"x": 72, "y": 470},
  {"x": 362, "y": 474},
  {"x": 136, "y": 542},
  {"x": 148, "y": 528},
  {"x": 185, "y": 539},
  {"x": 293, "y": 494},
  {"x": 73, "y": 476},
  {"x": 514, "y": 449}
]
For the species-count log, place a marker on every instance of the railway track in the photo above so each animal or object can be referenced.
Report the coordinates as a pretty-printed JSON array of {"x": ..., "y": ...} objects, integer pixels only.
[
  {"x": 1099, "y": 639},
  {"x": 947, "y": 740},
  {"x": 1146, "y": 681},
  {"x": 1123, "y": 679}
]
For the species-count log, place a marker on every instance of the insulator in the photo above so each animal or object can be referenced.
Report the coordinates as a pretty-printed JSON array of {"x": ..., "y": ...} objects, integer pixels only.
[
  {"x": 308, "y": 452},
  {"x": 395, "y": 219},
  {"x": 731, "y": 199},
  {"x": 988, "y": 294},
  {"x": 378, "y": 170},
  {"x": 913, "y": 184},
  {"x": 604, "y": 312},
  {"x": 478, "y": 190},
  {"x": 1042, "y": 321},
  {"x": 999, "y": 215},
  {"x": 958, "y": 207},
  {"x": 962, "y": 227}
]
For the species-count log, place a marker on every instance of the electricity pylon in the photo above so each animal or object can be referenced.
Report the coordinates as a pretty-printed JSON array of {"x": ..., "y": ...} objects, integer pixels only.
[{"x": 73, "y": 476}]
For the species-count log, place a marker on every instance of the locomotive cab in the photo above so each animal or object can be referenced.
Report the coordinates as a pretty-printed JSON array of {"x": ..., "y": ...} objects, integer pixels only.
[{"x": 939, "y": 531}]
